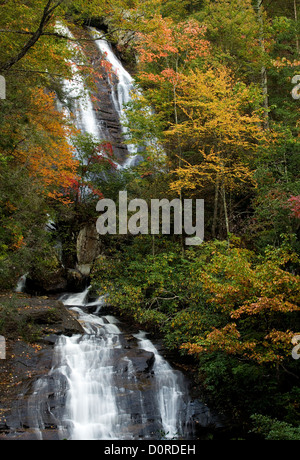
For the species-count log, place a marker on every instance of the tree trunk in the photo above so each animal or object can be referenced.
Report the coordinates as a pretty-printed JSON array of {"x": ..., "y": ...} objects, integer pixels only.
[
  {"x": 225, "y": 210},
  {"x": 264, "y": 75},
  {"x": 296, "y": 22},
  {"x": 180, "y": 161},
  {"x": 214, "y": 225}
]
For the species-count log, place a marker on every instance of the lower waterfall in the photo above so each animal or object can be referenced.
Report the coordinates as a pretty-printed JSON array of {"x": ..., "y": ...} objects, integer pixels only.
[{"x": 109, "y": 385}]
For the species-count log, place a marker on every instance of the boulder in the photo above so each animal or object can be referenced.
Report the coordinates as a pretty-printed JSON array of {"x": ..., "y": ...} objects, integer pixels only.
[
  {"x": 84, "y": 270},
  {"x": 88, "y": 247},
  {"x": 49, "y": 282},
  {"x": 76, "y": 280}
]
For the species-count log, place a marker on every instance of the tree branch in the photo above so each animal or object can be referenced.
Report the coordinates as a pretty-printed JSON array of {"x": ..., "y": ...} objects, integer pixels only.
[
  {"x": 58, "y": 35},
  {"x": 47, "y": 15}
]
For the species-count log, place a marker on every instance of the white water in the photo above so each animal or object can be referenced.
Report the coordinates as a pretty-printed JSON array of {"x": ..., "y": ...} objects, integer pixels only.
[
  {"x": 122, "y": 95},
  {"x": 91, "y": 406},
  {"x": 76, "y": 90},
  {"x": 169, "y": 391},
  {"x": 91, "y": 409},
  {"x": 21, "y": 284},
  {"x": 105, "y": 399}
]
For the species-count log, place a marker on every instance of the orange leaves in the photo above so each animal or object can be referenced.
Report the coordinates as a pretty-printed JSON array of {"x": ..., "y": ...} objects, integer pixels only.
[
  {"x": 169, "y": 41},
  {"x": 46, "y": 154},
  {"x": 264, "y": 304},
  {"x": 227, "y": 339},
  {"x": 284, "y": 62},
  {"x": 273, "y": 348}
]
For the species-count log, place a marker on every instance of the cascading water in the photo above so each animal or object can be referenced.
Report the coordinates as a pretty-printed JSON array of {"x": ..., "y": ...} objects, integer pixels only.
[
  {"x": 121, "y": 93},
  {"x": 76, "y": 90},
  {"x": 91, "y": 409},
  {"x": 170, "y": 396},
  {"x": 21, "y": 283},
  {"x": 125, "y": 86},
  {"x": 107, "y": 389}
]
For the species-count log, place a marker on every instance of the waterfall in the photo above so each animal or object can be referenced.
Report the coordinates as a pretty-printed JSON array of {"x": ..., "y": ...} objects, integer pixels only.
[
  {"x": 84, "y": 111},
  {"x": 170, "y": 396},
  {"x": 91, "y": 408},
  {"x": 125, "y": 83},
  {"x": 75, "y": 89},
  {"x": 121, "y": 93},
  {"x": 21, "y": 284},
  {"x": 104, "y": 388},
  {"x": 105, "y": 384}
]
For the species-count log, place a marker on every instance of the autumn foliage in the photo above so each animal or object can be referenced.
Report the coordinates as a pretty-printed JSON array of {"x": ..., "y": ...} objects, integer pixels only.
[
  {"x": 294, "y": 202},
  {"x": 46, "y": 153},
  {"x": 212, "y": 114},
  {"x": 260, "y": 294}
]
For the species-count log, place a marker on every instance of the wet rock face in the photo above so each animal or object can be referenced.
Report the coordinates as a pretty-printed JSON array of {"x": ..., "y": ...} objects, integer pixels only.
[
  {"x": 34, "y": 395},
  {"x": 47, "y": 283},
  {"x": 136, "y": 361},
  {"x": 107, "y": 116},
  {"x": 40, "y": 399},
  {"x": 26, "y": 362},
  {"x": 104, "y": 109}
]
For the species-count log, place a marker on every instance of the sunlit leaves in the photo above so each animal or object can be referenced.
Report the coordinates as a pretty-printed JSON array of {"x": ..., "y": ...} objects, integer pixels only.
[{"x": 257, "y": 298}]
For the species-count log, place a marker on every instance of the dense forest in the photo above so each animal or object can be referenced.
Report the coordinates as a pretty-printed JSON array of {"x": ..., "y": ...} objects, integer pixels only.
[{"x": 215, "y": 115}]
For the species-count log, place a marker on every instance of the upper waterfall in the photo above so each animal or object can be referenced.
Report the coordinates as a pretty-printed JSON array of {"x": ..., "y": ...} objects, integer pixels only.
[
  {"x": 76, "y": 90},
  {"x": 121, "y": 91},
  {"x": 93, "y": 117}
]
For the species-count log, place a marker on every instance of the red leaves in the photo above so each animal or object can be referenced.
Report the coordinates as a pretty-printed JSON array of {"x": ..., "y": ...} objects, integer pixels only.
[
  {"x": 169, "y": 39},
  {"x": 103, "y": 154},
  {"x": 294, "y": 203},
  {"x": 77, "y": 186}
]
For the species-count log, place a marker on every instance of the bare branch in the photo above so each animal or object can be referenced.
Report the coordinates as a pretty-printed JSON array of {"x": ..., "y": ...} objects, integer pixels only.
[
  {"x": 64, "y": 37},
  {"x": 46, "y": 17}
]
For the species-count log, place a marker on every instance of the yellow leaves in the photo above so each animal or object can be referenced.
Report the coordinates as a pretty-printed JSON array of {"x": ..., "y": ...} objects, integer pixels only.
[
  {"x": 255, "y": 300},
  {"x": 214, "y": 104},
  {"x": 210, "y": 166},
  {"x": 218, "y": 128},
  {"x": 227, "y": 339}
]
